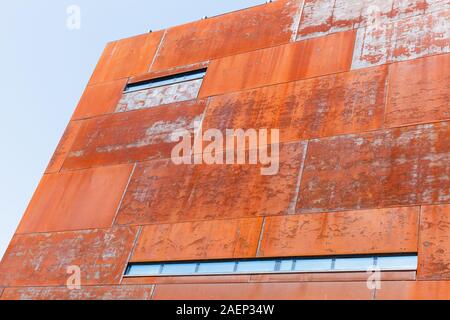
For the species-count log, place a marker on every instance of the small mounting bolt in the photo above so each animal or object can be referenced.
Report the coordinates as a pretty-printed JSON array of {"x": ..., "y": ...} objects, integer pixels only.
[{"x": 204, "y": 17}]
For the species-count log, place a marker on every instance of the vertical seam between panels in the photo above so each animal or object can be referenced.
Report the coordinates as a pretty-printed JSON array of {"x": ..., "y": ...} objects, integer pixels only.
[
  {"x": 261, "y": 234},
  {"x": 297, "y": 21},
  {"x": 69, "y": 149},
  {"x": 123, "y": 194},
  {"x": 138, "y": 234},
  {"x": 207, "y": 62},
  {"x": 153, "y": 292},
  {"x": 388, "y": 92},
  {"x": 200, "y": 128},
  {"x": 158, "y": 50},
  {"x": 419, "y": 219},
  {"x": 293, "y": 205}
]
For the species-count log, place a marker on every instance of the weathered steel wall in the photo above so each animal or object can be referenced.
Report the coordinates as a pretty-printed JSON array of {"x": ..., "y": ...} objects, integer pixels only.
[{"x": 360, "y": 91}]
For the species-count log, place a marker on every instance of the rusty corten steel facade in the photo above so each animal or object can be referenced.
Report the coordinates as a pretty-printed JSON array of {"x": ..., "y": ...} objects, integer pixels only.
[{"x": 360, "y": 93}]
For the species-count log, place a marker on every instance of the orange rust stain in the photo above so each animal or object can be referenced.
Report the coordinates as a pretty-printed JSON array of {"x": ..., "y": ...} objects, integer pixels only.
[
  {"x": 119, "y": 292},
  {"x": 295, "y": 61},
  {"x": 394, "y": 167},
  {"x": 127, "y": 57},
  {"x": 127, "y": 137},
  {"x": 220, "y": 239},
  {"x": 414, "y": 290},
  {"x": 393, "y": 230},
  {"x": 419, "y": 91},
  {"x": 63, "y": 147},
  {"x": 264, "y": 291},
  {"x": 230, "y": 34},
  {"x": 348, "y": 102},
  {"x": 42, "y": 259},
  {"x": 434, "y": 245},
  {"x": 161, "y": 192},
  {"x": 76, "y": 200},
  {"x": 100, "y": 99}
]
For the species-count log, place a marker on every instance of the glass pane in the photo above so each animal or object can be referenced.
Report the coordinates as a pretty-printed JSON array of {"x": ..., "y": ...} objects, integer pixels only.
[
  {"x": 166, "y": 81},
  {"x": 313, "y": 265},
  {"x": 144, "y": 270},
  {"x": 256, "y": 266},
  {"x": 179, "y": 268},
  {"x": 354, "y": 264},
  {"x": 286, "y": 265},
  {"x": 397, "y": 263},
  {"x": 216, "y": 267}
]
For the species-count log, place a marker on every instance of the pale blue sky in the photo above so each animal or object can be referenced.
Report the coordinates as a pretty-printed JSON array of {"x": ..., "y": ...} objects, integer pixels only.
[{"x": 45, "y": 67}]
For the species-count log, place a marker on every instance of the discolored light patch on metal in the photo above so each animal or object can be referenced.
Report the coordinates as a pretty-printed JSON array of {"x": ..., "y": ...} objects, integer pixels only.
[
  {"x": 434, "y": 244},
  {"x": 123, "y": 292},
  {"x": 373, "y": 231},
  {"x": 138, "y": 135},
  {"x": 395, "y": 167},
  {"x": 42, "y": 259},
  {"x": 161, "y": 192},
  {"x": 153, "y": 97},
  {"x": 224, "y": 239},
  {"x": 322, "y": 17},
  {"x": 402, "y": 40},
  {"x": 342, "y": 103}
]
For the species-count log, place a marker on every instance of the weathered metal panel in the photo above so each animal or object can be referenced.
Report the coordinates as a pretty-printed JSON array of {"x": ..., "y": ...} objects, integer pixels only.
[
  {"x": 122, "y": 292},
  {"x": 419, "y": 91},
  {"x": 392, "y": 230},
  {"x": 241, "y": 31},
  {"x": 402, "y": 40},
  {"x": 395, "y": 167},
  {"x": 63, "y": 147},
  {"x": 218, "y": 239},
  {"x": 153, "y": 97},
  {"x": 76, "y": 200},
  {"x": 169, "y": 72},
  {"x": 280, "y": 278},
  {"x": 127, "y": 57},
  {"x": 100, "y": 99},
  {"x": 264, "y": 291},
  {"x": 161, "y": 192},
  {"x": 132, "y": 136},
  {"x": 322, "y": 17},
  {"x": 356, "y": 158},
  {"x": 316, "y": 19},
  {"x": 413, "y": 290},
  {"x": 42, "y": 259},
  {"x": 157, "y": 192},
  {"x": 348, "y": 102},
  {"x": 434, "y": 245},
  {"x": 295, "y": 61}
]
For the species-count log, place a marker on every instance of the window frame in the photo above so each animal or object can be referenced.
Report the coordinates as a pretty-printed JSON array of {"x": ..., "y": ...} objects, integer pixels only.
[
  {"x": 277, "y": 263},
  {"x": 165, "y": 80}
]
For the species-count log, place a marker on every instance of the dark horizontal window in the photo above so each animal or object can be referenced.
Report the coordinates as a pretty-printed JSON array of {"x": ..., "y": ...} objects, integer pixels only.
[
  {"x": 401, "y": 262},
  {"x": 168, "y": 80}
]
